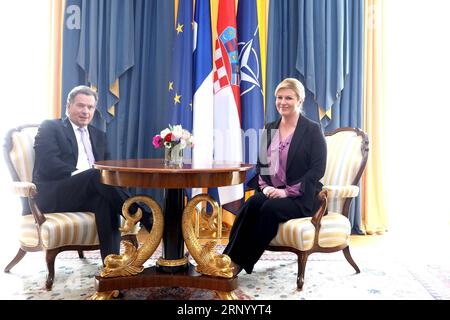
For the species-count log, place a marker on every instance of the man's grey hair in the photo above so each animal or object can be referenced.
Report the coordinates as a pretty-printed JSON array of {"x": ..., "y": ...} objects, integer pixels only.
[{"x": 81, "y": 90}]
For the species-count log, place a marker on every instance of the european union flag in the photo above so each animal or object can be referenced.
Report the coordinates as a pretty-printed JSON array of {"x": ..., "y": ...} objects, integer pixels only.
[{"x": 180, "y": 83}]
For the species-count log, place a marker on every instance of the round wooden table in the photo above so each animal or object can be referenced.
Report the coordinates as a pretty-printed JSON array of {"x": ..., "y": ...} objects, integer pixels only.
[{"x": 173, "y": 268}]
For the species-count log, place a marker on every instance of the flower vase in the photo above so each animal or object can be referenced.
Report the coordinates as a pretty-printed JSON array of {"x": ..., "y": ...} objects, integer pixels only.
[{"x": 173, "y": 157}]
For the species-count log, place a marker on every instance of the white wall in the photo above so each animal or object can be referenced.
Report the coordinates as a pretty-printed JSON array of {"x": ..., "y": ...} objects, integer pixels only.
[
  {"x": 417, "y": 109},
  {"x": 23, "y": 87},
  {"x": 23, "y": 61}
]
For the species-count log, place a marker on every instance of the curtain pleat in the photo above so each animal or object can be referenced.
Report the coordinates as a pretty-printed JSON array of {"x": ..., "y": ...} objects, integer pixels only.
[
  {"x": 55, "y": 58},
  {"x": 320, "y": 42},
  {"x": 374, "y": 219},
  {"x": 263, "y": 15}
]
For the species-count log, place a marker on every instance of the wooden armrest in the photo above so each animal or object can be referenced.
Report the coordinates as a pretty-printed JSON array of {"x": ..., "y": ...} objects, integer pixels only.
[
  {"x": 23, "y": 189},
  {"x": 28, "y": 190},
  {"x": 322, "y": 196}
]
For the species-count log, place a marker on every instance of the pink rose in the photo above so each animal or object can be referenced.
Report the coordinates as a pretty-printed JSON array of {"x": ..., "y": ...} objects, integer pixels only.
[{"x": 157, "y": 141}]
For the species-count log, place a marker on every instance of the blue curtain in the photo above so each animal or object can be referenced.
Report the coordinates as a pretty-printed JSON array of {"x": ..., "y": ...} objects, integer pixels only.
[
  {"x": 140, "y": 110},
  {"x": 319, "y": 42},
  {"x": 106, "y": 48},
  {"x": 72, "y": 74}
]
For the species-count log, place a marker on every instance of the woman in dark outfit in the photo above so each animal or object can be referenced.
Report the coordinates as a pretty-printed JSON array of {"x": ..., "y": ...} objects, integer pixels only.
[{"x": 292, "y": 160}]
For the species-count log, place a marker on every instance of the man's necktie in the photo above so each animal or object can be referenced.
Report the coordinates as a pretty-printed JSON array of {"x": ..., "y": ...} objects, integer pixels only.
[{"x": 87, "y": 146}]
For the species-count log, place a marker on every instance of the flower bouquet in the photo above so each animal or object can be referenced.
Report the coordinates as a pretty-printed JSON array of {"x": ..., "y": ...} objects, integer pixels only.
[{"x": 174, "y": 139}]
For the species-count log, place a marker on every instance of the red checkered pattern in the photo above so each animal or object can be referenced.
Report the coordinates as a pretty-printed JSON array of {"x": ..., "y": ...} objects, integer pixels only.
[{"x": 221, "y": 78}]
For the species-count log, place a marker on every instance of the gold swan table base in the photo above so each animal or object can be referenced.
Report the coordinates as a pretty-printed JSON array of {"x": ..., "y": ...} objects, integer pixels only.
[{"x": 213, "y": 271}]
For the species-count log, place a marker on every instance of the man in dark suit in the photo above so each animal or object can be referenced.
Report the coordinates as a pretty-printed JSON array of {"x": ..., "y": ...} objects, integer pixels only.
[{"x": 65, "y": 150}]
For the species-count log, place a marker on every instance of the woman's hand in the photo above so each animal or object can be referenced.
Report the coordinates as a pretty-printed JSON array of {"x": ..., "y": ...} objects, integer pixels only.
[
  {"x": 267, "y": 190},
  {"x": 274, "y": 193}
]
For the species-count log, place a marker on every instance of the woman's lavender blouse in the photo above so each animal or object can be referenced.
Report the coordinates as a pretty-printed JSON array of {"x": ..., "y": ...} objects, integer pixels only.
[{"x": 279, "y": 178}]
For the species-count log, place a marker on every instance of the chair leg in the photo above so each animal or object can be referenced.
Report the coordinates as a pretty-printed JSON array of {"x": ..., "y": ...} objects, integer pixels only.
[
  {"x": 81, "y": 254},
  {"x": 301, "y": 261},
  {"x": 349, "y": 258},
  {"x": 20, "y": 254},
  {"x": 50, "y": 256}
]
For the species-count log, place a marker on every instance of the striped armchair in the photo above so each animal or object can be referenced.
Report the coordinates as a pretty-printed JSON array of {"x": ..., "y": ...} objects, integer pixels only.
[
  {"x": 329, "y": 229},
  {"x": 52, "y": 232}
]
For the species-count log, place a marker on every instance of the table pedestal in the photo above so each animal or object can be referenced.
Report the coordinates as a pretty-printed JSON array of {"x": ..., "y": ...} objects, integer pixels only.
[
  {"x": 173, "y": 269},
  {"x": 151, "y": 277},
  {"x": 173, "y": 242},
  {"x": 174, "y": 228}
]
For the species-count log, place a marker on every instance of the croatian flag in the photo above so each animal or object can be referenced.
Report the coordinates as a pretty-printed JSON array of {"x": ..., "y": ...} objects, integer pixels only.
[{"x": 227, "y": 114}]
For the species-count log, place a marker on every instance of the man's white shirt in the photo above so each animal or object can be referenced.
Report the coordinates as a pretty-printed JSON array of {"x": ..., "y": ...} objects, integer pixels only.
[{"x": 82, "y": 162}]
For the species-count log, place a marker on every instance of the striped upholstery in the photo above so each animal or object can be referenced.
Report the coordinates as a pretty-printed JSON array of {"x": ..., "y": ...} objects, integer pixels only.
[
  {"x": 22, "y": 153},
  {"x": 299, "y": 233},
  {"x": 343, "y": 162},
  {"x": 60, "y": 229}
]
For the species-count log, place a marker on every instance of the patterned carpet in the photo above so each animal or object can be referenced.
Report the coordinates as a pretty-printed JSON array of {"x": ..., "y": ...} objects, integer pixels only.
[{"x": 328, "y": 276}]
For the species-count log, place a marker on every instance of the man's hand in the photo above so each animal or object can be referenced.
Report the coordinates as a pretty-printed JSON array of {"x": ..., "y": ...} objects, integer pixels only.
[{"x": 274, "y": 193}]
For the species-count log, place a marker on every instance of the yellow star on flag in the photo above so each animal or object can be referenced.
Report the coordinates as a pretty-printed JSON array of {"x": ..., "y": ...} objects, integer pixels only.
[
  {"x": 177, "y": 98},
  {"x": 170, "y": 85},
  {"x": 179, "y": 28}
]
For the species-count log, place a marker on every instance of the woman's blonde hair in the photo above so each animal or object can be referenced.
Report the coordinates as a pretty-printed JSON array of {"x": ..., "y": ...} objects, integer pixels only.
[{"x": 293, "y": 84}]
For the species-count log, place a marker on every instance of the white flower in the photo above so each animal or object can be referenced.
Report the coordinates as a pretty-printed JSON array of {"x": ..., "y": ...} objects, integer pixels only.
[
  {"x": 164, "y": 133},
  {"x": 185, "y": 135},
  {"x": 177, "y": 132}
]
